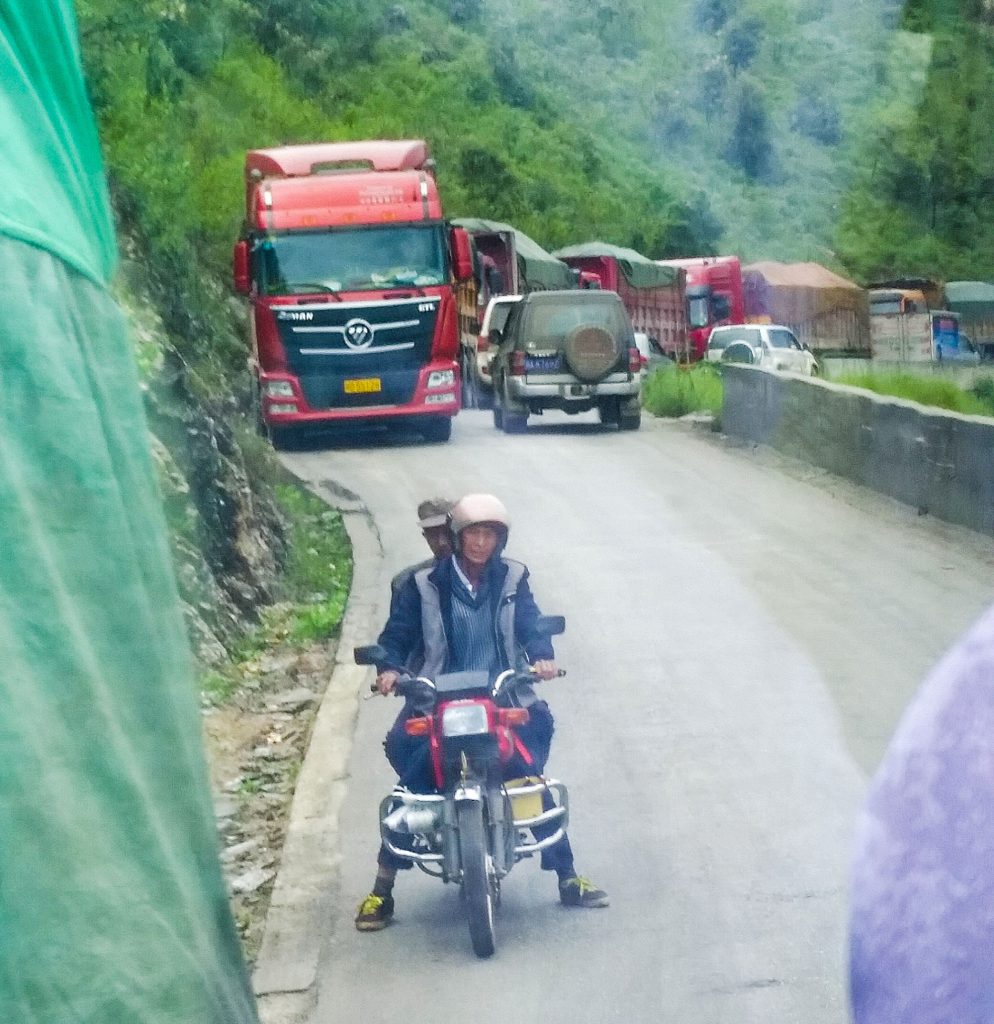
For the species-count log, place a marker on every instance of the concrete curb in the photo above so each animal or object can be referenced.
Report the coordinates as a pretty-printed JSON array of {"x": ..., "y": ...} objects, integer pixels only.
[{"x": 286, "y": 969}]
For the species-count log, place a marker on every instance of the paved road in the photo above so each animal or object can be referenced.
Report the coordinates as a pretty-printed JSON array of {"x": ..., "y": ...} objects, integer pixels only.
[{"x": 743, "y": 634}]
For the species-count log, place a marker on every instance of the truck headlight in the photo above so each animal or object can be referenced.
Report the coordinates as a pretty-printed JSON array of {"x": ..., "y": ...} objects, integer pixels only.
[
  {"x": 278, "y": 389},
  {"x": 441, "y": 378},
  {"x": 465, "y": 720}
]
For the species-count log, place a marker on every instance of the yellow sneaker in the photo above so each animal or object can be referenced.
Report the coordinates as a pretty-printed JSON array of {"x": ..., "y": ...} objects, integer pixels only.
[
  {"x": 374, "y": 913},
  {"x": 581, "y": 892}
]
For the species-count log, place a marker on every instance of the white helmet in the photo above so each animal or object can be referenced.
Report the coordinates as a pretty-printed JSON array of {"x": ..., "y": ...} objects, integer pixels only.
[{"x": 478, "y": 508}]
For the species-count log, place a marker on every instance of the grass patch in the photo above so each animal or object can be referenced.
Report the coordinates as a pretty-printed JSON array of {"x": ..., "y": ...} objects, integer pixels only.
[
  {"x": 676, "y": 392},
  {"x": 319, "y": 572},
  {"x": 940, "y": 392}
]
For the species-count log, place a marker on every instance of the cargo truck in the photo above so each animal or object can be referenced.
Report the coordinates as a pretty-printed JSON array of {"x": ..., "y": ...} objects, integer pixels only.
[
  {"x": 653, "y": 295},
  {"x": 714, "y": 297},
  {"x": 974, "y": 302},
  {"x": 350, "y": 271},
  {"x": 916, "y": 337},
  {"x": 829, "y": 314},
  {"x": 505, "y": 262}
]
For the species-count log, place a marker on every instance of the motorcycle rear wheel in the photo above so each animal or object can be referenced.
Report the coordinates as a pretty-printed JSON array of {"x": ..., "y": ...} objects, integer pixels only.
[{"x": 477, "y": 882}]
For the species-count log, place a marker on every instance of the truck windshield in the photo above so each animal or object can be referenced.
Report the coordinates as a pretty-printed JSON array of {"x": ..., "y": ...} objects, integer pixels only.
[{"x": 359, "y": 259}]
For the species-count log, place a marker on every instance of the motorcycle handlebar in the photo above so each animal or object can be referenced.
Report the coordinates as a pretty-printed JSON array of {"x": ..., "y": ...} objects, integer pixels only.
[{"x": 404, "y": 684}]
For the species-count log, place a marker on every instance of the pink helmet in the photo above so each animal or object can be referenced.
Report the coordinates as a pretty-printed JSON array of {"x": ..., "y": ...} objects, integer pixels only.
[{"x": 478, "y": 508}]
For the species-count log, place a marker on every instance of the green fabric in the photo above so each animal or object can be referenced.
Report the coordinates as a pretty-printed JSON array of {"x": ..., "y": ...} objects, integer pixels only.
[
  {"x": 113, "y": 908},
  {"x": 53, "y": 194},
  {"x": 638, "y": 270},
  {"x": 537, "y": 268},
  {"x": 973, "y": 299}
]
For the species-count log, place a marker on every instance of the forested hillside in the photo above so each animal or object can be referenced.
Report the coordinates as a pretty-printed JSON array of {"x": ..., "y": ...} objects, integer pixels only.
[{"x": 857, "y": 133}]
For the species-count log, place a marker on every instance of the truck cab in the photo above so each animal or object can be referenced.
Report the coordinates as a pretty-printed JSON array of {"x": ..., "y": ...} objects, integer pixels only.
[{"x": 349, "y": 268}]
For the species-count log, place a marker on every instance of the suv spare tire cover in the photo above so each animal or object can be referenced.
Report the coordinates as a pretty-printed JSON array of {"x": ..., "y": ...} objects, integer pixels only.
[
  {"x": 739, "y": 352},
  {"x": 591, "y": 352}
]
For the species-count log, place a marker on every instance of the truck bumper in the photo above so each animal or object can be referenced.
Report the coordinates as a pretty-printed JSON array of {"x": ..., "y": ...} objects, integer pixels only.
[{"x": 282, "y": 401}]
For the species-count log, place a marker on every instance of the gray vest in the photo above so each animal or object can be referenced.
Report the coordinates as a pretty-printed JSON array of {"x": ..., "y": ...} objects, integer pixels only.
[{"x": 433, "y": 628}]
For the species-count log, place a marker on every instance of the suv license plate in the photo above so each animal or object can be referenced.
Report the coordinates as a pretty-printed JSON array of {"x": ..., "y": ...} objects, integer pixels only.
[
  {"x": 363, "y": 385},
  {"x": 542, "y": 364}
]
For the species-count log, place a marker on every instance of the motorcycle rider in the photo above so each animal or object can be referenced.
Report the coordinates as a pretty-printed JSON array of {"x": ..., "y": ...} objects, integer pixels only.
[
  {"x": 474, "y": 610},
  {"x": 433, "y": 518}
]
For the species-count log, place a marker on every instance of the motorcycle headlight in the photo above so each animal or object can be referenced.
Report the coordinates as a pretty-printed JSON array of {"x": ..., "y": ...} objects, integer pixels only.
[{"x": 465, "y": 720}]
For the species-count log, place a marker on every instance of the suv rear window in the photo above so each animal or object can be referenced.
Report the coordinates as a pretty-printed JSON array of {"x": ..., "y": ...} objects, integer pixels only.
[
  {"x": 722, "y": 337},
  {"x": 547, "y": 323}
]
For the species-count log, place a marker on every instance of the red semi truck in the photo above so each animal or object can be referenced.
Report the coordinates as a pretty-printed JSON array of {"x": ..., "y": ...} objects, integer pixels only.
[
  {"x": 714, "y": 296},
  {"x": 350, "y": 270},
  {"x": 652, "y": 294}
]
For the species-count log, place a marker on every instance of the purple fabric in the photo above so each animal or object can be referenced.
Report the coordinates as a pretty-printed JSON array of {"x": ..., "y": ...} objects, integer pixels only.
[{"x": 922, "y": 926}]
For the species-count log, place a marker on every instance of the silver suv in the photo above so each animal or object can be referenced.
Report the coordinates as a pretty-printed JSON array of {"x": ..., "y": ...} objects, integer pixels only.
[{"x": 567, "y": 350}]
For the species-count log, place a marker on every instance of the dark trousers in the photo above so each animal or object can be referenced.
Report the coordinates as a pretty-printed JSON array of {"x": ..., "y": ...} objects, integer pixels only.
[{"x": 409, "y": 756}]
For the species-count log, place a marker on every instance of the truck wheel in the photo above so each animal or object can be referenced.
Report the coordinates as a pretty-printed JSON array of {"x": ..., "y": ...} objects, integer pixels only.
[
  {"x": 630, "y": 416},
  {"x": 285, "y": 439},
  {"x": 514, "y": 416},
  {"x": 436, "y": 429},
  {"x": 515, "y": 422},
  {"x": 608, "y": 412},
  {"x": 477, "y": 877}
]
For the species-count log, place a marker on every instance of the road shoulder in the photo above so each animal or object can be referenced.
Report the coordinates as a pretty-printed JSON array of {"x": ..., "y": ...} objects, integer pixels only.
[{"x": 286, "y": 968}]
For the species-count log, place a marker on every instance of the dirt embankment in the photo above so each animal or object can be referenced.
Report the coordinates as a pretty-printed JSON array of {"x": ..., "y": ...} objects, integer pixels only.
[{"x": 256, "y": 743}]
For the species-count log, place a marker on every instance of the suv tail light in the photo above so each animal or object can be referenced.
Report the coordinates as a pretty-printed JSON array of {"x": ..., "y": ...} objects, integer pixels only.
[
  {"x": 482, "y": 342},
  {"x": 634, "y": 360},
  {"x": 517, "y": 364}
]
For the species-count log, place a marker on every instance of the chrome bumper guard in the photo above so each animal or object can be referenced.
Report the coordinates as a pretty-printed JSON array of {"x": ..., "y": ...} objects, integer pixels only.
[
  {"x": 422, "y": 806},
  {"x": 559, "y": 813}
]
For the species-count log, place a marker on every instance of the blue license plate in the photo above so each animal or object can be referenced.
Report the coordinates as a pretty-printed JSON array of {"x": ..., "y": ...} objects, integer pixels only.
[{"x": 543, "y": 364}]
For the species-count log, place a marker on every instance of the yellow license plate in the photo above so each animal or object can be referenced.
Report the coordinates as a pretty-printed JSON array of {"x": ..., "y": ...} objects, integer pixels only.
[{"x": 363, "y": 385}]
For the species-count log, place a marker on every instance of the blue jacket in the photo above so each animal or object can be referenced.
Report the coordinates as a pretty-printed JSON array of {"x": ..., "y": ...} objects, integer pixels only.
[{"x": 421, "y": 616}]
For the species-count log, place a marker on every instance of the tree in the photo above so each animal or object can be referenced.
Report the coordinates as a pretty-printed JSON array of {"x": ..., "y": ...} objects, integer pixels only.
[{"x": 749, "y": 147}]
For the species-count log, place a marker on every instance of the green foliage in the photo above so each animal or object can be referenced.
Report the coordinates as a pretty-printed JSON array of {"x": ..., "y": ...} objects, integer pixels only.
[
  {"x": 676, "y": 392},
  {"x": 935, "y": 391},
  {"x": 920, "y": 202},
  {"x": 780, "y": 129},
  {"x": 319, "y": 572}
]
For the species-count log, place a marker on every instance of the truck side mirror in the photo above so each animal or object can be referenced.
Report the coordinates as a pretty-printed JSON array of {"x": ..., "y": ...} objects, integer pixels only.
[
  {"x": 462, "y": 254},
  {"x": 240, "y": 268}
]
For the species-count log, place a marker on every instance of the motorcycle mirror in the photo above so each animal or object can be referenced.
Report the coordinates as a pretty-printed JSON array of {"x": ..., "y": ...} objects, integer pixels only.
[
  {"x": 373, "y": 654},
  {"x": 551, "y": 625}
]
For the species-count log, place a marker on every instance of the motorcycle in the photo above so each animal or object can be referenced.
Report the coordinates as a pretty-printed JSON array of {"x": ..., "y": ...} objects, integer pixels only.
[{"x": 478, "y": 824}]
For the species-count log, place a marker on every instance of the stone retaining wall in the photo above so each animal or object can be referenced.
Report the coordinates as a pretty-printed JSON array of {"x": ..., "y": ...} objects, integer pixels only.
[{"x": 938, "y": 462}]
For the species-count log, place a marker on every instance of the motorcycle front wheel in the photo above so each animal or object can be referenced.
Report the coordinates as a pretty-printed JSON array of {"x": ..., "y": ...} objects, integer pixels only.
[{"x": 476, "y": 877}]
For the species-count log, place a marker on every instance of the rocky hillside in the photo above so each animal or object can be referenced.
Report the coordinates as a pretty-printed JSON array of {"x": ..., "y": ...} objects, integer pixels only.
[{"x": 229, "y": 536}]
